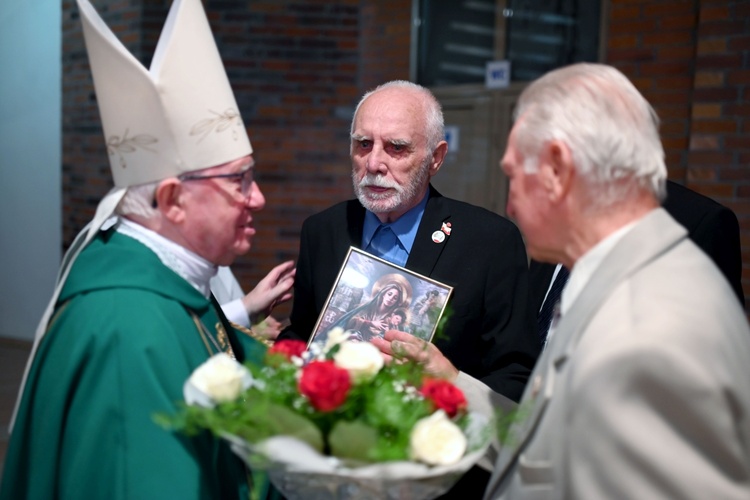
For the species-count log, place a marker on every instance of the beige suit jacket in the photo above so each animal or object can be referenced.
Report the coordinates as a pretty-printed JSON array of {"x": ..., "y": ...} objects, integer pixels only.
[{"x": 644, "y": 390}]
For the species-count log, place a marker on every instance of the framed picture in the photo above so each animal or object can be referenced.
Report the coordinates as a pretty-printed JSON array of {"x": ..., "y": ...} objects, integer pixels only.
[{"x": 371, "y": 296}]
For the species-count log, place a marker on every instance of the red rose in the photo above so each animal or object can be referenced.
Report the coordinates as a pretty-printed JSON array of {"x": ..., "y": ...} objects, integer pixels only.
[
  {"x": 444, "y": 396},
  {"x": 288, "y": 348},
  {"x": 324, "y": 384}
]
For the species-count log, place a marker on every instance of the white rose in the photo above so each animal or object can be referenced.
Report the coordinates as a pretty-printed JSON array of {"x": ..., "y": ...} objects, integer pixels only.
[
  {"x": 219, "y": 379},
  {"x": 336, "y": 336},
  {"x": 435, "y": 440},
  {"x": 361, "y": 359}
]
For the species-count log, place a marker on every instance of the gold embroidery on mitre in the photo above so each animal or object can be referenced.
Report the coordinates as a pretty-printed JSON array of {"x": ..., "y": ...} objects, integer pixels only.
[
  {"x": 120, "y": 146},
  {"x": 218, "y": 124}
]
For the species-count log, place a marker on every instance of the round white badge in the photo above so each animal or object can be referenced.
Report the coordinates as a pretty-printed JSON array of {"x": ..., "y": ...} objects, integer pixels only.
[{"x": 438, "y": 236}]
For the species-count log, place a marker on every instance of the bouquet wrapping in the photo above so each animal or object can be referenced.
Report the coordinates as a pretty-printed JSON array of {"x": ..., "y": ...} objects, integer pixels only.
[{"x": 336, "y": 422}]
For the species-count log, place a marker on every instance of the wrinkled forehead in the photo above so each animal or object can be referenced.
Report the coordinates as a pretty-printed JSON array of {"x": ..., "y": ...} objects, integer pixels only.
[{"x": 391, "y": 114}]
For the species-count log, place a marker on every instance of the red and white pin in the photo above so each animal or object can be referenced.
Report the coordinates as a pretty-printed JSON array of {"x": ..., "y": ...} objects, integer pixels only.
[{"x": 439, "y": 236}]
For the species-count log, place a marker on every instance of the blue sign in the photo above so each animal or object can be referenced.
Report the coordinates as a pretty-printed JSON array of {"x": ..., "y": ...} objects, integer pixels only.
[{"x": 497, "y": 74}]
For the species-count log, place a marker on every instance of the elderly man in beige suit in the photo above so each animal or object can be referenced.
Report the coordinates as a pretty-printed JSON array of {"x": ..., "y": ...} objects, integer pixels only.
[{"x": 643, "y": 391}]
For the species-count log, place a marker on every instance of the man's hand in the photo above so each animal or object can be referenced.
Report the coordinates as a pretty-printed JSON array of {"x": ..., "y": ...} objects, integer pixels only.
[
  {"x": 274, "y": 289},
  {"x": 401, "y": 345}
]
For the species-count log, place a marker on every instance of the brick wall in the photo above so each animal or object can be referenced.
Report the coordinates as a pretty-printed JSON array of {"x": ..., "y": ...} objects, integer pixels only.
[
  {"x": 298, "y": 70},
  {"x": 384, "y": 41},
  {"x": 719, "y": 162},
  {"x": 691, "y": 59},
  {"x": 299, "y": 67}
]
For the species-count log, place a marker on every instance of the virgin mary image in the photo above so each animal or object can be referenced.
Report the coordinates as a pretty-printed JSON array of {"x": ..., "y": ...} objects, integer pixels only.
[{"x": 371, "y": 319}]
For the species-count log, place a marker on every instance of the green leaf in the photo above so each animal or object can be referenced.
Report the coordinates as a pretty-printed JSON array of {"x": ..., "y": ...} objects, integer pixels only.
[
  {"x": 352, "y": 440},
  {"x": 440, "y": 329},
  {"x": 391, "y": 446},
  {"x": 387, "y": 406},
  {"x": 286, "y": 422},
  {"x": 505, "y": 422},
  {"x": 255, "y": 420}
]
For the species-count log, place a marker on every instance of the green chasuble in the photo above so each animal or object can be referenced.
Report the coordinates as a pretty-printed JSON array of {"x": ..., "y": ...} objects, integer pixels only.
[{"x": 118, "y": 350}]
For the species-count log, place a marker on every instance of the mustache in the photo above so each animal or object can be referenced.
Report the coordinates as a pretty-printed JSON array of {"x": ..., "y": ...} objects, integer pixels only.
[{"x": 377, "y": 181}]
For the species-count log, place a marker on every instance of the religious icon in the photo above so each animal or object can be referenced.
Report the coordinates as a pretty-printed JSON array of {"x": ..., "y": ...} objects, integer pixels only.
[{"x": 372, "y": 296}]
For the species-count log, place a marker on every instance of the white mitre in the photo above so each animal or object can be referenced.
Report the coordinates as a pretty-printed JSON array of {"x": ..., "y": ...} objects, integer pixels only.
[{"x": 178, "y": 116}]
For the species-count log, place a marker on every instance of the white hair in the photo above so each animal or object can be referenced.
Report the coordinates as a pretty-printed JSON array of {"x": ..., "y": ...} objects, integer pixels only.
[
  {"x": 612, "y": 131},
  {"x": 434, "y": 127},
  {"x": 139, "y": 200}
]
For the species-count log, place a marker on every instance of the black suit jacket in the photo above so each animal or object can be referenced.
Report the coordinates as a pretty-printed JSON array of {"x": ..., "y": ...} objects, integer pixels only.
[
  {"x": 711, "y": 226},
  {"x": 491, "y": 333}
]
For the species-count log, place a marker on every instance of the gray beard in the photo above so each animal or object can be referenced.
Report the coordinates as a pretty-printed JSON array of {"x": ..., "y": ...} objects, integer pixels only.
[{"x": 390, "y": 202}]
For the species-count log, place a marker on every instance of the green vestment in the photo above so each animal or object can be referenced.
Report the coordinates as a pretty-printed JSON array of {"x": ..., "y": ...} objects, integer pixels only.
[{"x": 118, "y": 350}]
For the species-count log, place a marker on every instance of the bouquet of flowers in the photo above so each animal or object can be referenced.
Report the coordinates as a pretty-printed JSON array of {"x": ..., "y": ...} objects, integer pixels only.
[{"x": 336, "y": 422}]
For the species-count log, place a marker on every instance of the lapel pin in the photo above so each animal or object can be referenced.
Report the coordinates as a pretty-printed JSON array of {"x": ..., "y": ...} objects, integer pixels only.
[
  {"x": 438, "y": 237},
  {"x": 446, "y": 228}
]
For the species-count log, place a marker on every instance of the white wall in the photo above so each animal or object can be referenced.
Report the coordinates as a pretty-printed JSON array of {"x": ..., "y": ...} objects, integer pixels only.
[{"x": 30, "y": 161}]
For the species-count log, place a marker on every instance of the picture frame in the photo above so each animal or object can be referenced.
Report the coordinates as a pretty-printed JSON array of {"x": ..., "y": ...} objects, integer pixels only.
[{"x": 371, "y": 295}]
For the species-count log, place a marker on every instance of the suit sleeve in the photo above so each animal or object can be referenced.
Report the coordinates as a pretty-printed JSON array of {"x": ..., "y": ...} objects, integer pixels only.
[
  {"x": 508, "y": 322},
  {"x": 660, "y": 421},
  {"x": 304, "y": 312}
]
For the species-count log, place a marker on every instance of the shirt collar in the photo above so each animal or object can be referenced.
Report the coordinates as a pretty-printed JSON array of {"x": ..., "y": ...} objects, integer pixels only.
[
  {"x": 190, "y": 266},
  {"x": 405, "y": 227},
  {"x": 587, "y": 265}
]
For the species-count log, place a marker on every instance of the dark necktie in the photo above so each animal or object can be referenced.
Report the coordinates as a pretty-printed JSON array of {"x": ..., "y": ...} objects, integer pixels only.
[{"x": 544, "y": 318}]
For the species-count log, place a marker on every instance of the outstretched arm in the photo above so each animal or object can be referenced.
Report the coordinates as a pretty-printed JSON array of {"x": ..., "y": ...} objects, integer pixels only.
[{"x": 275, "y": 288}]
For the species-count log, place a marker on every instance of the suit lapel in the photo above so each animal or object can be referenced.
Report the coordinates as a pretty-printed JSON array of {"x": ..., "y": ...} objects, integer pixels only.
[
  {"x": 654, "y": 235},
  {"x": 355, "y": 221},
  {"x": 425, "y": 252}
]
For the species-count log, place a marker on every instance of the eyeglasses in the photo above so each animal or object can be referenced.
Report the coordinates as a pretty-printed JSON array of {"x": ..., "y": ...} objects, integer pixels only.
[{"x": 244, "y": 179}]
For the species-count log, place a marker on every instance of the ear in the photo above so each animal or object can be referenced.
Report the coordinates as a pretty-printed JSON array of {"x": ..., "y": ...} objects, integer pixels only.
[
  {"x": 557, "y": 169},
  {"x": 438, "y": 155},
  {"x": 169, "y": 197}
]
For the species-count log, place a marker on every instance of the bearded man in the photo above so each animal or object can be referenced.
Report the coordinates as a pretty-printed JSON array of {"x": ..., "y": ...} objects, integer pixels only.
[{"x": 397, "y": 145}]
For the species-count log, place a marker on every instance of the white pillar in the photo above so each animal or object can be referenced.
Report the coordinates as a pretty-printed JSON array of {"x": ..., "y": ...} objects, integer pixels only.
[{"x": 30, "y": 161}]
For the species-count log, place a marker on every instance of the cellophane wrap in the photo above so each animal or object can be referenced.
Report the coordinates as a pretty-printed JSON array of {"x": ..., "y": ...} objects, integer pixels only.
[{"x": 300, "y": 472}]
